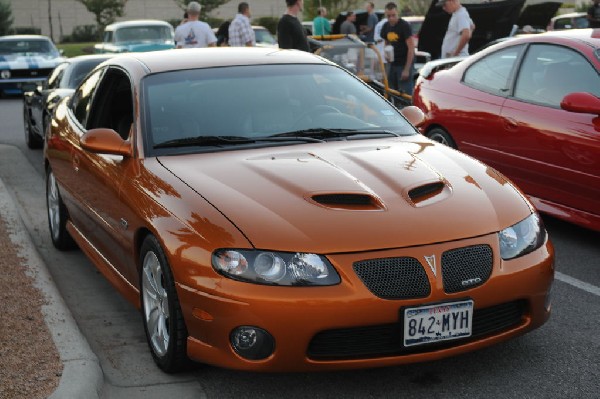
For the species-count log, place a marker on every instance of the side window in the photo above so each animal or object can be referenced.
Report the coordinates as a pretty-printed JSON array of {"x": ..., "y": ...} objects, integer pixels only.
[
  {"x": 82, "y": 98},
  {"x": 492, "y": 73},
  {"x": 549, "y": 72},
  {"x": 113, "y": 105},
  {"x": 108, "y": 36},
  {"x": 56, "y": 76}
]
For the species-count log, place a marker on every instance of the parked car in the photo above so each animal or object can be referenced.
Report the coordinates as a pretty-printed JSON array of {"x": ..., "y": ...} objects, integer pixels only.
[
  {"x": 39, "y": 104},
  {"x": 264, "y": 38},
  {"x": 574, "y": 20},
  {"x": 136, "y": 36},
  {"x": 269, "y": 211},
  {"x": 25, "y": 61},
  {"x": 529, "y": 108}
]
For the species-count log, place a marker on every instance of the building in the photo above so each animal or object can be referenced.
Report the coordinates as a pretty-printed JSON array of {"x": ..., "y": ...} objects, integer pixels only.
[{"x": 65, "y": 15}]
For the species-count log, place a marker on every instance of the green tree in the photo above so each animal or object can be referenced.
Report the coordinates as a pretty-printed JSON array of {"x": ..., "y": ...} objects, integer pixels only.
[
  {"x": 106, "y": 11},
  {"x": 207, "y": 5},
  {"x": 6, "y": 18}
]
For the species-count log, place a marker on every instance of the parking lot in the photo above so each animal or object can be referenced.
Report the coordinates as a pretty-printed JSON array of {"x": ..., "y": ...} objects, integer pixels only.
[{"x": 559, "y": 360}]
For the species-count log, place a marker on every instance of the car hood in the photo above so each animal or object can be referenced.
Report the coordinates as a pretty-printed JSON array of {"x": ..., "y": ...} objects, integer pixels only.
[
  {"x": 29, "y": 61},
  {"x": 145, "y": 46},
  {"x": 538, "y": 15},
  {"x": 352, "y": 195},
  {"x": 492, "y": 20}
]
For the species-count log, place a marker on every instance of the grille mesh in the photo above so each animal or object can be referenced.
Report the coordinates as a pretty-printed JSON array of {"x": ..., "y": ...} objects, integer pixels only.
[
  {"x": 386, "y": 339},
  {"x": 394, "y": 278},
  {"x": 466, "y": 268}
]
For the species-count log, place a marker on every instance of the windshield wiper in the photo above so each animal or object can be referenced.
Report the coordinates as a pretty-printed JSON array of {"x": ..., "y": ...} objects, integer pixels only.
[
  {"x": 230, "y": 140},
  {"x": 322, "y": 132},
  {"x": 204, "y": 140}
]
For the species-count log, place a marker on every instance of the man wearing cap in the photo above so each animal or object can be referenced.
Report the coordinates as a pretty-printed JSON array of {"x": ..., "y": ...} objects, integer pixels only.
[
  {"x": 240, "y": 30},
  {"x": 194, "y": 33},
  {"x": 458, "y": 34}
]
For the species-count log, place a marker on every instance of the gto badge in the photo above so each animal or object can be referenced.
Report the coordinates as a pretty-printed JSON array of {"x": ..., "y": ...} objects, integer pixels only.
[
  {"x": 471, "y": 281},
  {"x": 431, "y": 262}
]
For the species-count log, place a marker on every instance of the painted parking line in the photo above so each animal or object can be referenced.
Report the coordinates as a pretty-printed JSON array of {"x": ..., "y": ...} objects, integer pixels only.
[{"x": 582, "y": 285}]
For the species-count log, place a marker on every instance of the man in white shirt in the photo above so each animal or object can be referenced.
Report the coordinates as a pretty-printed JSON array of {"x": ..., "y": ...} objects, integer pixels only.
[
  {"x": 240, "y": 30},
  {"x": 458, "y": 34},
  {"x": 380, "y": 43},
  {"x": 194, "y": 33}
]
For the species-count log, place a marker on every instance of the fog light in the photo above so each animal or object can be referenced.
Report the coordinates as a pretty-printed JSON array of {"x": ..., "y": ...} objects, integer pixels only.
[{"x": 252, "y": 343}]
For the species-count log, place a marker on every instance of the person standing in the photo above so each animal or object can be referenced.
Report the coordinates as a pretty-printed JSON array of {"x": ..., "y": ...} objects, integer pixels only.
[
  {"x": 194, "y": 33},
  {"x": 397, "y": 33},
  {"x": 380, "y": 43},
  {"x": 458, "y": 34},
  {"x": 348, "y": 27},
  {"x": 321, "y": 25},
  {"x": 593, "y": 14},
  {"x": 367, "y": 31},
  {"x": 290, "y": 33},
  {"x": 240, "y": 30}
]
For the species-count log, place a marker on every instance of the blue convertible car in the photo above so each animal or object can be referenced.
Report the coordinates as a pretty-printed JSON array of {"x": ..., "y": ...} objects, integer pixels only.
[{"x": 25, "y": 62}]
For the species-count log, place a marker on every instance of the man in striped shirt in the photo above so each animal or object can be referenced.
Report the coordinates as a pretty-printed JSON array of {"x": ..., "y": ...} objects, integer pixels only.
[{"x": 240, "y": 30}]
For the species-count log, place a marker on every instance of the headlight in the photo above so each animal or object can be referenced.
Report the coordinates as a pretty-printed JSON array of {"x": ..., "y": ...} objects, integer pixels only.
[
  {"x": 522, "y": 238},
  {"x": 274, "y": 268},
  {"x": 5, "y": 74}
]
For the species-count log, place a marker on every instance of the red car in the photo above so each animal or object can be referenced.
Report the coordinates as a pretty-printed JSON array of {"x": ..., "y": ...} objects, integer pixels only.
[{"x": 529, "y": 107}]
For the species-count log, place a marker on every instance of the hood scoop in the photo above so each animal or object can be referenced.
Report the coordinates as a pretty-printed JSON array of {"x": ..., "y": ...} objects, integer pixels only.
[
  {"x": 348, "y": 201},
  {"x": 428, "y": 193}
]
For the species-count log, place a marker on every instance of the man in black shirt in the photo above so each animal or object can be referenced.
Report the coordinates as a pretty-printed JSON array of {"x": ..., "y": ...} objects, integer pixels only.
[
  {"x": 594, "y": 14},
  {"x": 397, "y": 33},
  {"x": 290, "y": 33}
]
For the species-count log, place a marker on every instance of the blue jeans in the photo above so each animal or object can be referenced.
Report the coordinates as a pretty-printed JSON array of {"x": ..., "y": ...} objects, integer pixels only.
[{"x": 395, "y": 76}]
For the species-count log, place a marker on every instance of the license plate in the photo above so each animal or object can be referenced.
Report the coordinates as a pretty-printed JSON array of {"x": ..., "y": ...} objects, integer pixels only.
[{"x": 439, "y": 322}]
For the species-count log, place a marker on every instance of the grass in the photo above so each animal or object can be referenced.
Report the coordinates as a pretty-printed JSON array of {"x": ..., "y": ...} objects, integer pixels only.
[{"x": 75, "y": 49}]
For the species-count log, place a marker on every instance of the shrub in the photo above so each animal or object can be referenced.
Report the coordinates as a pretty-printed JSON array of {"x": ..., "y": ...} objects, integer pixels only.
[{"x": 268, "y": 22}]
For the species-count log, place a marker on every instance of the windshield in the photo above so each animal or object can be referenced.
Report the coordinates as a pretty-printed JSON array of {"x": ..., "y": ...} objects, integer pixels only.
[
  {"x": 264, "y": 36},
  {"x": 260, "y": 101},
  {"x": 26, "y": 47},
  {"x": 143, "y": 34}
]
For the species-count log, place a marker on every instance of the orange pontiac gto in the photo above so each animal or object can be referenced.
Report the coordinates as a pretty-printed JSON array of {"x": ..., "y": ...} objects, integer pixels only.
[{"x": 266, "y": 210}]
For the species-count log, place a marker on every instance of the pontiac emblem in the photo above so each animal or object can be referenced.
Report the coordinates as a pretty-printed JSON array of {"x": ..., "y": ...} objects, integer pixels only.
[{"x": 431, "y": 262}]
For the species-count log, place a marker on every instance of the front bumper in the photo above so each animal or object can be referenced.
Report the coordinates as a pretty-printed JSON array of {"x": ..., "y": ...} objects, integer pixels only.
[
  {"x": 19, "y": 85},
  {"x": 347, "y": 326}
]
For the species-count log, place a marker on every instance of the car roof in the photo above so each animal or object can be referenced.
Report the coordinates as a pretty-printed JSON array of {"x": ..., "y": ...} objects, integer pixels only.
[
  {"x": 589, "y": 36},
  {"x": 137, "y": 22},
  {"x": 570, "y": 15},
  {"x": 25, "y": 37},
  {"x": 179, "y": 59}
]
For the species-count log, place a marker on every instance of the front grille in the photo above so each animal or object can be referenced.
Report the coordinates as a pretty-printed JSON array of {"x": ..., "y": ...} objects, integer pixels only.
[
  {"x": 394, "y": 278},
  {"x": 386, "y": 339},
  {"x": 30, "y": 73},
  {"x": 466, "y": 268}
]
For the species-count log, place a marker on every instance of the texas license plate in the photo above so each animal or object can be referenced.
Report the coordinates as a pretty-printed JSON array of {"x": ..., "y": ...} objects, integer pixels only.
[{"x": 439, "y": 322}]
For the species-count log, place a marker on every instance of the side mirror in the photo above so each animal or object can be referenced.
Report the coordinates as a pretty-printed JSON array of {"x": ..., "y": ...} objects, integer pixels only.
[
  {"x": 583, "y": 103},
  {"x": 413, "y": 114},
  {"x": 105, "y": 141}
]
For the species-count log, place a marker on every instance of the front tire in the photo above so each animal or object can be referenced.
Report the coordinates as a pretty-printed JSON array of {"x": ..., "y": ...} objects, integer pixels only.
[
  {"x": 441, "y": 136},
  {"x": 165, "y": 328},
  {"x": 57, "y": 215}
]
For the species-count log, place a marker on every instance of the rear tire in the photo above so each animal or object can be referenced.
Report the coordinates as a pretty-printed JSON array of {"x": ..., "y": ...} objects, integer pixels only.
[
  {"x": 165, "y": 328},
  {"x": 32, "y": 140},
  {"x": 441, "y": 136},
  {"x": 57, "y": 215}
]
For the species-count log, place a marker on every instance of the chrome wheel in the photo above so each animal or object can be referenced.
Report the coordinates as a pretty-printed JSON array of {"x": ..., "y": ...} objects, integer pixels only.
[
  {"x": 53, "y": 203},
  {"x": 441, "y": 136},
  {"x": 57, "y": 215},
  {"x": 155, "y": 303}
]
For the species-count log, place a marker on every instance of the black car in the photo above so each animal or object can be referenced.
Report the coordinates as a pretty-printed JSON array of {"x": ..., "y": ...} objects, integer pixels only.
[{"x": 39, "y": 104}]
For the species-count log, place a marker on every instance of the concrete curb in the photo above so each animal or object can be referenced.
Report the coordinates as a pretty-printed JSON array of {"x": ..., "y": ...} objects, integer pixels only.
[{"x": 82, "y": 375}]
